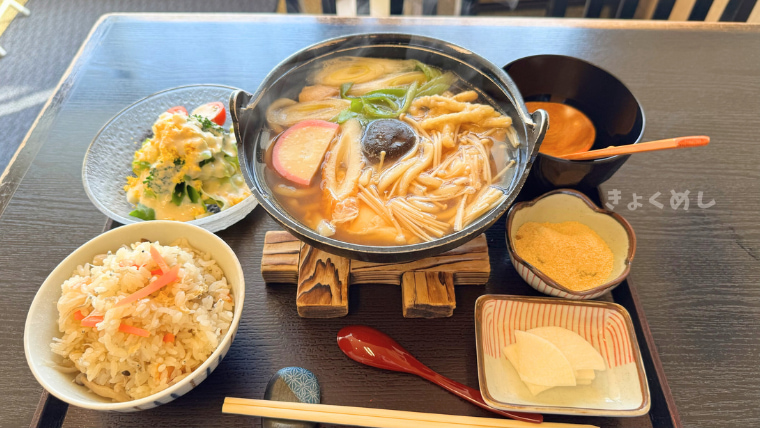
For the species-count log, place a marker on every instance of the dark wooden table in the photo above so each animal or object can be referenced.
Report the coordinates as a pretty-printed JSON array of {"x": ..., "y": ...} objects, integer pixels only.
[{"x": 696, "y": 270}]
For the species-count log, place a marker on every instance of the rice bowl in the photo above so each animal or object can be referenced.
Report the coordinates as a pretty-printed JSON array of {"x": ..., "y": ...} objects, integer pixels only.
[
  {"x": 155, "y": 386},
  {"x": 143, "y": 347}
]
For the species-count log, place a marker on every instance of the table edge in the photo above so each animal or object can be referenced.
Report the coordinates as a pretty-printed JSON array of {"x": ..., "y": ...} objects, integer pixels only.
[{"x": 26, "y": 153}]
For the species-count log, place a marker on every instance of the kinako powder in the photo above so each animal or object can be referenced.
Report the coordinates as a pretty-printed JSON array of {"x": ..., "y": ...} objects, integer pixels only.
[{"x": 570, "y": 253}]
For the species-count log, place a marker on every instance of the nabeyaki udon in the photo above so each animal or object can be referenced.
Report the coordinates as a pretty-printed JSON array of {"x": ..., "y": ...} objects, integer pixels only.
[{"x": 387, "y": 152}]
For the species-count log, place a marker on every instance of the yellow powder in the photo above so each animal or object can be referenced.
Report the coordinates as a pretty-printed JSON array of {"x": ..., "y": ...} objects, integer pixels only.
[{"x": 570, "y": 253}]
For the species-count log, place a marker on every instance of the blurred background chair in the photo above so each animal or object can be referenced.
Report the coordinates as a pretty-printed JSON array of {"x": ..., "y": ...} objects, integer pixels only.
[{"x": 674, "y": 10}]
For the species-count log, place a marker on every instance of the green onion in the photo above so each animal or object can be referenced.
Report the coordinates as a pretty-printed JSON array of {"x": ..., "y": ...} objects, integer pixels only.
[
  {"x": 344, "y": 88},
  {"x": 430, "y": 72},
  {"x": 437, "y": 85}
]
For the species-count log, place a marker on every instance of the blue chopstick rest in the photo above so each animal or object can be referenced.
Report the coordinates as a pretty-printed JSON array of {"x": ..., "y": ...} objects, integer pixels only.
[{"x": 293, "y": 384}]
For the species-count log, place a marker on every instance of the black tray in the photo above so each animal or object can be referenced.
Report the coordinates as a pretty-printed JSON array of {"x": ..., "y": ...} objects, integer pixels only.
[
  {"x": 120, "y": 64},
  {"x": 51, "y": 412}
]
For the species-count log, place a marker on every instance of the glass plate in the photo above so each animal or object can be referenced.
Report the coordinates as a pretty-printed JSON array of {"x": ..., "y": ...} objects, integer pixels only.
[{"x": 108, "y": 160}]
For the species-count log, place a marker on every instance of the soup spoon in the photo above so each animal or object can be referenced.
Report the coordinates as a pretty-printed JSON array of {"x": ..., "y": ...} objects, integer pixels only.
[
  {"x": 667, "y": 144},
  {"x": 374, "y": 348}
]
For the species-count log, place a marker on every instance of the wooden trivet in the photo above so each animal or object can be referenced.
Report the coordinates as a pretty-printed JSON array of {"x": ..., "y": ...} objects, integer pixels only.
[{"x": 322, "y": 278}]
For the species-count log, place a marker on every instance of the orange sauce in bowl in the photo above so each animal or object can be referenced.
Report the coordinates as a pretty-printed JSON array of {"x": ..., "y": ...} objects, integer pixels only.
[{"x": 570, "y": 131}]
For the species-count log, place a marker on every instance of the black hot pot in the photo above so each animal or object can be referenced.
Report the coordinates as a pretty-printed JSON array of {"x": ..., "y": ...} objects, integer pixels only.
[{"x": 248, "y": 113}]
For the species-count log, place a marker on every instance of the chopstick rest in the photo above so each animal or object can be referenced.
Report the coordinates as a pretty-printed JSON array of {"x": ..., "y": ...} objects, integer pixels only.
[{"x": 293, "y": 384}]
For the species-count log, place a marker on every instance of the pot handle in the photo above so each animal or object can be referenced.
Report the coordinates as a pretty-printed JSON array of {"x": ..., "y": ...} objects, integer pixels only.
[
  {"x": 239, "y": 100},
  {"x": 537, "y": 131}
]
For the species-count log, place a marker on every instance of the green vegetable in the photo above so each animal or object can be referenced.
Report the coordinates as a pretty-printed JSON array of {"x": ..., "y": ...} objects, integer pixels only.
[
  {"x": 438, "y": 85},
  {"x": 140, "y": 166},
  {"x": 344, "y": 88},
  {"x": 410, "y": 94},
  {"x": 207, "y": 125},
  {"x": 205, "y": 161},
  {"x": 212, "y": 201},
  {"x": 149, "y": 178},
  {"x": 345, "y": 115},
  {"x": 394, "y": 92},
  {"x": 144, "y": 213},
  {"x": 389, "y": 100},
  {"x": 179, "y": 161},
  {"x": 356, "y": 105},
  {"x": 389, "y": 103},
  {"x": 233, "y": 160},
  {"x": 193, "y": 194},
  {"x": 430, "y": 72},
  {"x": 229, "y": 148},
  {"x": 379, "y": 112},
  {"x": 179, "y": 194}
]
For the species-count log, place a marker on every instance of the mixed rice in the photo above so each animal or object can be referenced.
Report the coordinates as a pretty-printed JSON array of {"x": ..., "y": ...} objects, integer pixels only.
[{"x": 132, "y": 350}]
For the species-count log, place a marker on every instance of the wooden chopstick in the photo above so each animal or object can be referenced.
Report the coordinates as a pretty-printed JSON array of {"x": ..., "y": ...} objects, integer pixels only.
[
  {"x": 366, "y": 417},
  {"x": 667, "y": 144}
]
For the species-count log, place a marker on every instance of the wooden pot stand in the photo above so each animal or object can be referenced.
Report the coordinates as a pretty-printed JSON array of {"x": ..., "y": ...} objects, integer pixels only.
[{"x": 323, "y": 279}]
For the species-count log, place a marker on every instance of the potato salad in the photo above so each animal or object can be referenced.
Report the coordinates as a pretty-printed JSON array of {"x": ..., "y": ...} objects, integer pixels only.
[{"x": 188, "y": 169}]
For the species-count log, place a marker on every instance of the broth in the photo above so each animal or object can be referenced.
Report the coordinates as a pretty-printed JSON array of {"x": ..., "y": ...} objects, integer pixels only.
[
  {"x": 403, "y": 153},
  {"x": 570, "y": 131}
]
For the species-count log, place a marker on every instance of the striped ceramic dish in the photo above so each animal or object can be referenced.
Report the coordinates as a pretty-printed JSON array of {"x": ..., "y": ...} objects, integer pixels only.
[
  {"x": 569, "y": 205},
  {"x": 620, "y": 390}
]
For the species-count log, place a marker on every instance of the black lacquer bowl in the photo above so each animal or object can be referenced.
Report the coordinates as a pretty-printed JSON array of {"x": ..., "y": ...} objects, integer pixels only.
[
  {"x": 249, "y": 119},
  {"x": 615, "y": 112}
]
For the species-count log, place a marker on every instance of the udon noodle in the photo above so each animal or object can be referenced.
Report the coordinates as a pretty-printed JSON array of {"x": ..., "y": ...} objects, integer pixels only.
[{"x": 411, "y": 153}]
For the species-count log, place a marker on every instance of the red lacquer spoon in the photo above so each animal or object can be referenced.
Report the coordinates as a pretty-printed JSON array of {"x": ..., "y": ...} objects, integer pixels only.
[{"x": 374, "y": 348}]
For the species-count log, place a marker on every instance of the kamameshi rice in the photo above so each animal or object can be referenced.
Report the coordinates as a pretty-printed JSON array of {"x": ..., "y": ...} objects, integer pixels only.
[{"x": 197, "y": 309}]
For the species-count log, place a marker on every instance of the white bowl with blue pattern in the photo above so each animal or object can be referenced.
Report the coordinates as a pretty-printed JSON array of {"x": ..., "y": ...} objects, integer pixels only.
[{"x": 41, "y": 322}]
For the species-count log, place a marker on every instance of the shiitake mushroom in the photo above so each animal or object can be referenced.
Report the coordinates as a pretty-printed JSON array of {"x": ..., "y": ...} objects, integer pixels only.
[{"x": 391, "y": 136}]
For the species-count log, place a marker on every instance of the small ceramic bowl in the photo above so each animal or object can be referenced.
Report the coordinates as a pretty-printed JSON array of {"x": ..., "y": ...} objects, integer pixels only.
[
  {"x": 569, "y": 205},
  {"x": 615, "y": 112},
  {"x": 42, "y": 326},
  {"x": 620, "y": 390}
]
